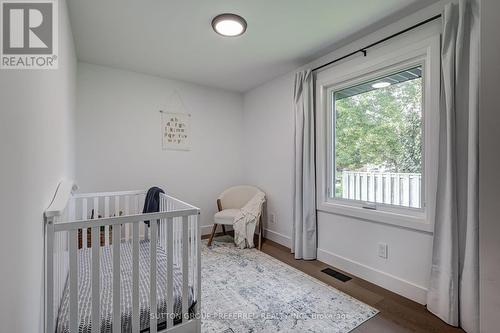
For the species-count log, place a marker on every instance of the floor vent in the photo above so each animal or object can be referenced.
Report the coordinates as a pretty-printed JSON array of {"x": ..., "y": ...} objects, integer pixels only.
[{"x": 337, "y": 275}]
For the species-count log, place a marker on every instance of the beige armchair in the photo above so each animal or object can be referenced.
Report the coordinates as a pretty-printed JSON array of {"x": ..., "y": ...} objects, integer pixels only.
[{"x": 229, "y": 205}]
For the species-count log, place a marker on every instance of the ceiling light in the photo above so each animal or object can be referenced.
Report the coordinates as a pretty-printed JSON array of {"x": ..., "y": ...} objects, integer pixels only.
[
  {"x": 229, "y": 25},
  {"x": 382, "y": 84}
]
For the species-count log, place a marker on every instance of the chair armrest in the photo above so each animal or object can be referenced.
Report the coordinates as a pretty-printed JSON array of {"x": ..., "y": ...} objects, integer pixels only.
[{"x": 219, "y": 205}]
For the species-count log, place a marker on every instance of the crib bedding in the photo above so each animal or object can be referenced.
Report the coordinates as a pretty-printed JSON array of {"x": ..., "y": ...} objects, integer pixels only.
[{"x": 106, "y": 292}]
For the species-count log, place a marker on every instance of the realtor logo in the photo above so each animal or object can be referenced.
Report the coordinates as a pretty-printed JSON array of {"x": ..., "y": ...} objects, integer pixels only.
[{"x": 29, "y": 34}]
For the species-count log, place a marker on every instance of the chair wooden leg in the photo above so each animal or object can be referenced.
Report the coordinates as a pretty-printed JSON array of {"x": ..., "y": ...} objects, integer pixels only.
[
  {"x": 223, "y": 229},
  {"x": 212, "y": 235}
]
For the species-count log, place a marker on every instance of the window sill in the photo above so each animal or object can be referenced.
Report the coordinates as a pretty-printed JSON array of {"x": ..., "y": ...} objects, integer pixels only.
[{"x": 415, "y": 222}]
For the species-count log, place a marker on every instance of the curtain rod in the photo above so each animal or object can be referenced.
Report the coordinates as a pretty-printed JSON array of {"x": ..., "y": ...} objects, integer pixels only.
[{"x": 364, "y": 49}]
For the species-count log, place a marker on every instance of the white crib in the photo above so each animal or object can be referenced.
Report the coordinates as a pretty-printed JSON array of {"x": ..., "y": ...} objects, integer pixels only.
[{"x": 99, "y": 226}]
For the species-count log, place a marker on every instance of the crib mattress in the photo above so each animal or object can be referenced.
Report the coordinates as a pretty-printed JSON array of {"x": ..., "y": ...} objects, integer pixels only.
[{"x": 106, "y": 293}]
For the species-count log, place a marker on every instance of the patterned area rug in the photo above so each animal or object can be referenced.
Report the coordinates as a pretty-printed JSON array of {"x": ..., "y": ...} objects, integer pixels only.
[{"x": 250, "y": 291}]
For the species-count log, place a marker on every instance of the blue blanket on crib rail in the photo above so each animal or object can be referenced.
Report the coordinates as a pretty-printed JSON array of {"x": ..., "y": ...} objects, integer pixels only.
[{"x": 152, "y": 201}]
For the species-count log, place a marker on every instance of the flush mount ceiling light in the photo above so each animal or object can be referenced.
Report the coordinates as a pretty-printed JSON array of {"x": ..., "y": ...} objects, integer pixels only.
[
  {"x": 229, "y": 25},
  {"x": 382, "y": 84}
]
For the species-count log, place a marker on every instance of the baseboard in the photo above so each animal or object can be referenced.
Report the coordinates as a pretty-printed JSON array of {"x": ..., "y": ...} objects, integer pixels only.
[
  {"x": 278, "y": 238},
  {"x": 390, "y": 282}
]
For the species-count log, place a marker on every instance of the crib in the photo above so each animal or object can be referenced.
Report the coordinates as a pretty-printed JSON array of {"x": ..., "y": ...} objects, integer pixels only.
[{"x": 101, "y": 260}]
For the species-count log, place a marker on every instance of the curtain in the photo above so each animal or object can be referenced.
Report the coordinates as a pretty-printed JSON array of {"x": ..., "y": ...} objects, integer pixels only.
[
  {"x": 454, "y": 285},
  {"x": 304, "y": 239}
]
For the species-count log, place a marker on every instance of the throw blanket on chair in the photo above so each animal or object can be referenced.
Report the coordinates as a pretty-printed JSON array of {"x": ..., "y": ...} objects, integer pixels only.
[{"x": 246, "y": 220}]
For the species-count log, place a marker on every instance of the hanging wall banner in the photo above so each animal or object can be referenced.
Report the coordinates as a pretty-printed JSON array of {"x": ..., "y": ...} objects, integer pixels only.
[
  {"x": 176, "y": 131},
  {"x": 175, "y": 124}
]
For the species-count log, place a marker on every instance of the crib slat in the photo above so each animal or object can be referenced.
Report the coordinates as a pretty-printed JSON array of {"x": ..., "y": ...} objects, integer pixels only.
[
  {"x": 170, "y": 262},
  {"x": 127, "y": 212},
  {"x": 96, "y": 216},
  {"x": 49, "y": 277},
  {"x": 106, "y": 207},
  {"x": 135, "y": 278},
  {"x": 185, "y": 276},
  {"x": 73, "y": 281},
  {"x": 84, "y": 217},
  {"x": 96, "y": 207},
  {"x": 57, "y": 279},
  {"x": 96, "y": 311},
  {"x": 117, "y": 206},
  {"x": 84, "y": 209},
  {"x": 198, "y": 264},
  {"x": 116, "y": 280},
  {"x": 191, "y": 249},
  {"x": 176, "y": 237},
  {"x": 152, "y": 282},
  {"x": 106, "y": 214},
  {"x": 136, "y": 204},
  {"x": 127, "y": 205},
  {"x": 72, "y": 210},
  {"x": 180, "y": 228},
  {"x": 162, "y": 223}
]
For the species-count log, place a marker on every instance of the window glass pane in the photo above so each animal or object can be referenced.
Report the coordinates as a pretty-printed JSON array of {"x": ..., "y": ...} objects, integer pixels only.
[{"x": 378, "y": 140}]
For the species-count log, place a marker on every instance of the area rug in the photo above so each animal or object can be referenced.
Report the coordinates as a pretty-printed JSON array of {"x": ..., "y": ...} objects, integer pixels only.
[{"x": 250, "y": 291}]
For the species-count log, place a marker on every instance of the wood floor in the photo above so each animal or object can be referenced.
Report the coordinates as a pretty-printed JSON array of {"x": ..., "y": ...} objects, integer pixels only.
[{"x": 397, "y": 314}]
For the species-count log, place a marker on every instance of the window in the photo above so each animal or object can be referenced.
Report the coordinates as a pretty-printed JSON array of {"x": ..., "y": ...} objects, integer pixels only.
[
  {"x": 377, "y": 140},
  {"x": 377, "y": 134}
]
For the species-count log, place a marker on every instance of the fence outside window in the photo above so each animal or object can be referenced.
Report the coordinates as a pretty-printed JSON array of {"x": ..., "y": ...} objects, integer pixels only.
[{"x": 400, "y": 189}]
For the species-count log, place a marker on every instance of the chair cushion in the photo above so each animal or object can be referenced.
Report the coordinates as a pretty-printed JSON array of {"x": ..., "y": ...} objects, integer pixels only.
[{"x": 226, "y": 216}]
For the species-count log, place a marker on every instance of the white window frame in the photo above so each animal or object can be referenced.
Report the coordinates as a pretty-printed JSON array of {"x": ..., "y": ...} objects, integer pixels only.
[{"x": 396, "y": 56}]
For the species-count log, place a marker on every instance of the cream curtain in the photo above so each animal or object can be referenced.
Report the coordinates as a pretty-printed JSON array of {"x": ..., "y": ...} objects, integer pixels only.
[
  {"x": 454, "y": 286},
  {"x": 304, "y": 238}
]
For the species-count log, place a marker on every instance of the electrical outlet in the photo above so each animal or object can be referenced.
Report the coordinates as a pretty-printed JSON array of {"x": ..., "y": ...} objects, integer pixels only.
[
  {"x": 382, "y": 250},
  {"x": 272, "y": 218}
]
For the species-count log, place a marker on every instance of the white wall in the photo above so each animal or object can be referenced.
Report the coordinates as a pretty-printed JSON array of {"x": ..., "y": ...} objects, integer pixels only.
[
  {"x": 489, "y": 162},
  {"x": 268, "y": 148},
  {"x": 36, "y": 145},
  {"x": 347, "y": 243},
  {"x": 119, "y": 137}
]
